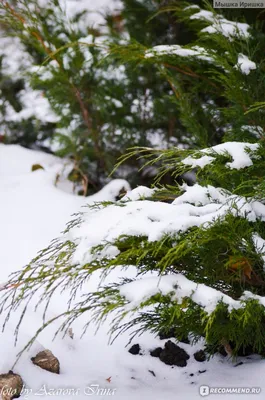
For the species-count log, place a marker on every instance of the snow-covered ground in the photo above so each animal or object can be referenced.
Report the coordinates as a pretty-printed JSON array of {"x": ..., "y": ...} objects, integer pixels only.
[{"x": 34, "y": 211}]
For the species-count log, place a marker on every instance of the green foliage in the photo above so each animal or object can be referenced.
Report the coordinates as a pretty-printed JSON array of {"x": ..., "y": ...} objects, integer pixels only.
[
  {"x": 215, "y": 248},
  {"x": 102, "y": 108}
]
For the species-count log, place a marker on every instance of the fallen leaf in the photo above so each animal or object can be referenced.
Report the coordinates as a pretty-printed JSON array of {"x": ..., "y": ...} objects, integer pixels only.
[{"x": 240, "y": 263}]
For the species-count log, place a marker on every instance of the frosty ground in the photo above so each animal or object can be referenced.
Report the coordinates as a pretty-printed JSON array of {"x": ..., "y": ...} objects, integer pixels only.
[{"x": 33, "y": 212}]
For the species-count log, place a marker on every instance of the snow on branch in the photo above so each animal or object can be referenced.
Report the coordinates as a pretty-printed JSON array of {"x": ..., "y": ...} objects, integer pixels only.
[
  {"x": 138, "y": 291},
  {"x": 174, "y": 49},
  {"x": 237, "y": 150},
  {"x": 244, "y": 64},
  {"x": 219, "y": 24},
  {"x": 259, "y": 244},
  {"x": 198, "y": 206}
]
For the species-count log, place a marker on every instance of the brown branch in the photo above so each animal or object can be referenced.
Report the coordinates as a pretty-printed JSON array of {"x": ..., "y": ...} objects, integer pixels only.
[
  {"x": 13, "y": 12},
  {"x": 39, "y": 38},
  {"x": 83, "y": 108},
  {"x": 189, "y": 72},
  {"x": 173, "y": 88}
]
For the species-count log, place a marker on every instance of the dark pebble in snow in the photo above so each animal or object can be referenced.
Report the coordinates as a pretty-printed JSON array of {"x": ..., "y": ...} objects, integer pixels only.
[
  {"x": 156, "y": 352},
  {"x": 202, "y": 371},
  {"x": 200, "y": 356},
  {"x": 174, "y": 355},
  {"x": 135, "y": 349},
  {"x": 191, "y": 374}
]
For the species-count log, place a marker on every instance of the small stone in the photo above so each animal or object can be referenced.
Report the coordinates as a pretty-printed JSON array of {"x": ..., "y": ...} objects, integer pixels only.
[
  {"x": 11, "y": 386},
  {"x": 156, "y": 352},
  {"x": 46, "y": 360},
  {"x": 135, "y": 349},
  {"x": 174, "y": 355},
  {"x": 202, "y": 371},
  {"x": 191, "y": 374},
  {"x": 200, "y": 356}
]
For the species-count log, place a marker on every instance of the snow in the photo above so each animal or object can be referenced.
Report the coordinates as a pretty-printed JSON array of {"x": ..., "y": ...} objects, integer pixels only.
[
  {"x": 117, "y": 103},
  {"x": 34, "y": 104},
  {"x": 198, "y": 162},
  {"x": 31, "y": 215},
  {"x": 174, "y": 49},
  {"x": 255, "y": 130},
  {"x": 138, "y": 193},
  {"x": 143, "y": 105},
  {"x": 237, "y": 150},
  {"x": 180, "y": 287},
  {"x": 197, "y": 206},
  {"x": 219, "y": 24},
  {"x": 32, "y": 197},
  {"x": 96, "y": 9},
  {"x": 15, "y": 59},
  {"x": 244, "y": 64},
  {"x": 200, "y": 195},
  {"x": 16, "y": 62},
  {"x": 259, "y": 244}
]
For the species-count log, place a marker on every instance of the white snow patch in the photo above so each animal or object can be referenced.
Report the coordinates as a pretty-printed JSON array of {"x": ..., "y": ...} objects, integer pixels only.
[
  {"x": 201, "y": 195},
  {"x": 142, "y": 289},
  {"x": 198, "y": 206},
  {"x": 174, "y": 49},
  {"x": 255, "y": 130},
  {"x": 237, "y": 150},
  {"x": 219, "y": 24},
  {"x": 36, "y": 204},
  {"x": 198, "y": 162},
  {"x": 244, "y": 64},
  {"x": 139, "y": 193},
  {"x": 15, "y": 59},
  {"x": 259, "y": 244},
  {"x": 34, "y": 104}
]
